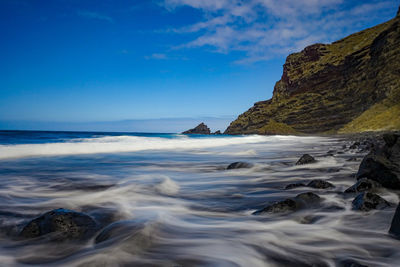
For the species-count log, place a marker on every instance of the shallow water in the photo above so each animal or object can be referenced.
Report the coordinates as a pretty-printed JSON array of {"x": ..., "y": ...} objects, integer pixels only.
[{"x": 168, "y": 200}]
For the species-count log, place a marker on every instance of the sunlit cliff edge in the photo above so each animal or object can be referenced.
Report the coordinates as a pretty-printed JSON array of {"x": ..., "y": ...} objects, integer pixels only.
[{"x": 349, "y": 86}]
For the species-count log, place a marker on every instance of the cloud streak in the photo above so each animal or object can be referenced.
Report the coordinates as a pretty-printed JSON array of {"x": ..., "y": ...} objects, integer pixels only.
[{"x": 263, "y": 29}]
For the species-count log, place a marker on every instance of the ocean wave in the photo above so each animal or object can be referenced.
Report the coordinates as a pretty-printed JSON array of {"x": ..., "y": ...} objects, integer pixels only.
[{"x": 119, "y": 144}]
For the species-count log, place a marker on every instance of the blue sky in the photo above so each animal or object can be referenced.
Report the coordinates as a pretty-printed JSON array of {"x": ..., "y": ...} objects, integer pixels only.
[{"x": 75, "y": 64}]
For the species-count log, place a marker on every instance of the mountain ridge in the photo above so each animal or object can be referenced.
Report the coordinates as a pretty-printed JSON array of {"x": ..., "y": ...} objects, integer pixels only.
[{"x": 351, "y": 85}]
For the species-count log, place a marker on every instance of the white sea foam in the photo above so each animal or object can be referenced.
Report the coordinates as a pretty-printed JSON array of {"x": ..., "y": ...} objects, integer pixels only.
[{"x": 117, "y": 144}]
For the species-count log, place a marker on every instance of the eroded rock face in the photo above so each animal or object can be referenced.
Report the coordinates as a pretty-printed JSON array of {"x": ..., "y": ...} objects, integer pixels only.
[
  {"x": 306, "y": 159},
  {"x": 239, "y": 165},
  {"x": 383, "y": 165},
  {"x": 63, "y": 223},
  {"x": 199, "y": 129},
  {"x": 332, "y": 87},
  {"x": 395, "y": 226},
  {"x": 367, "y": 201}
]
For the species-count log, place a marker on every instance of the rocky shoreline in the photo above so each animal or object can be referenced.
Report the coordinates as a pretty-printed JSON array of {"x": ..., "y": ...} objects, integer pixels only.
[{"x": 378, "y": 172}]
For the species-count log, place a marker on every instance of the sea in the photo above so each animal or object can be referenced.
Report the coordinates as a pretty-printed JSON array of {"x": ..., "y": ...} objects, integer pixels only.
[{"x": 169, "y": 200}]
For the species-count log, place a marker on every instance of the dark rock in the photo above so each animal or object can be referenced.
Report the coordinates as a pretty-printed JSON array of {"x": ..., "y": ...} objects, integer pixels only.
[
  {"x": 217, "y": 132},
  {"x": 302, "y": 200},
  {"x": 355, "y": 145},
  {"x": 383, "y": 165},
  {"x": 305, "y": 159},
  {"x": 65, "y": 224},
  {"x": 199, "y": 129},
  {"x": 351, "y": 263},
  {"x": 331, "y": 152},
  {"x": 395, "y": 226},
  {"x": 320, "y": 184},
  {"x": 367, "y": 201},
  {"x": 390, "y": 139},
  {"x": 306, "y": 199},
  {"x": 291, "y": 186},
  {"x": 344, "y": 146},
  {"x": 363, "y": 185},
  {"x": 398, "y": 13},
  {"x": 281, "y": 206},
  {"x": 352, "y": 159},
  {"x": 239, "y": 165}
]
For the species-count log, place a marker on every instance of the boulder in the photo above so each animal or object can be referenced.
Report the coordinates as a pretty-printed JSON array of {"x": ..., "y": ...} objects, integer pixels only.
[
  {"x": 383, "y": 165},
  {"x": 307, "y": 199},
  {"x": 363, "y": 185},
  {"x": 367, "y": 201},
  {"x": 63, "y": 223},
  {"x": 217, "y": 132},
  {"x": 280, "y": 206},
  {"x": 239, "y": 165},
  {"x": 305, "y": 159},
  {"x": 199, "y": 129},
  {"x": 301, "y": 201},
  {"x": 395, "y": 226},
  {"x": 320, "y": 184}
]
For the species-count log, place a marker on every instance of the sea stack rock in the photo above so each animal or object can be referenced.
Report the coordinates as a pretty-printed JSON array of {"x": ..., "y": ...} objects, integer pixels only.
[{"x": 199, "y": 129}]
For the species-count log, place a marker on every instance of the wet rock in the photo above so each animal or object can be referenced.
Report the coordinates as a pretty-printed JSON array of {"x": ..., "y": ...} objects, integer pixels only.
[
  {"x": 303, "y": 200},
  {"x": 63, "y": 223},
  {"x": 367, "y": 201},
  {"x": 281, "y": 206},
  {"x": 199, "y": 129},
  {"x": 351, "y": 263},
  {"x": 306, "y": 159},
  {"x": 291, "y": 186},
  {"x": 395, "y": 226},
  {"x": 307, "y": 199},
  {"x": 363, "y": 185},
  {"x": 239, "y": 165},
  {"x": 320, "y": 184},
  {"x": 217, "y": 132},
  {"x": 352, "y": 159},
  {"x": 383, "y": 165},
  {"x": 355, "y": 145}
]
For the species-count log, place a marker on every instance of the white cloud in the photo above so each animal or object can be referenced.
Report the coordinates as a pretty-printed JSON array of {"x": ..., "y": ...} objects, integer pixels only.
[
  {"x": 262, "y": 29},
  {"x": 157, "y": 56}
]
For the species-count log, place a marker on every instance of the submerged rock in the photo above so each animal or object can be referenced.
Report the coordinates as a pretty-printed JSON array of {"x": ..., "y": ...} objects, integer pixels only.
[
  {"x": 367, "y": 201},
  {"x": 395, "y": 226},
  {"x": 320, "y": 184},
  {"x": 239, "y": 165},
  {"x": 301, "y": 201},
  {"x": 305, "y": 159},
  {"x": 199, "y": 129},
  {"x": 383, "y": 165},
  {"x": 291, "y": 186},
  {"x": 363, "y": 185},
  {"x": 65, "y": 224}
]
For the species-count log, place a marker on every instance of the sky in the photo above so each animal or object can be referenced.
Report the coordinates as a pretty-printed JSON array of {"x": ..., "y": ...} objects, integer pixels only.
[{"x": 156, "y": 65}]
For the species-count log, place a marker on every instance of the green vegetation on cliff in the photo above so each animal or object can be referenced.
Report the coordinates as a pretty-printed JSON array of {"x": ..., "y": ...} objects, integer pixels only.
[{"x": 351, "y": 85}]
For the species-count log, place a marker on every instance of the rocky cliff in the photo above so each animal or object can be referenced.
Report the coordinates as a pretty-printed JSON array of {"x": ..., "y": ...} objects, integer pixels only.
[{"x": 351, "y": 85}]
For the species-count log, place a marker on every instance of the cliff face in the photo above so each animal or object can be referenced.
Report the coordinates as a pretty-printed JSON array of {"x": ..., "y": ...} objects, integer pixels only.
[{"x": 351, "y": 85}]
